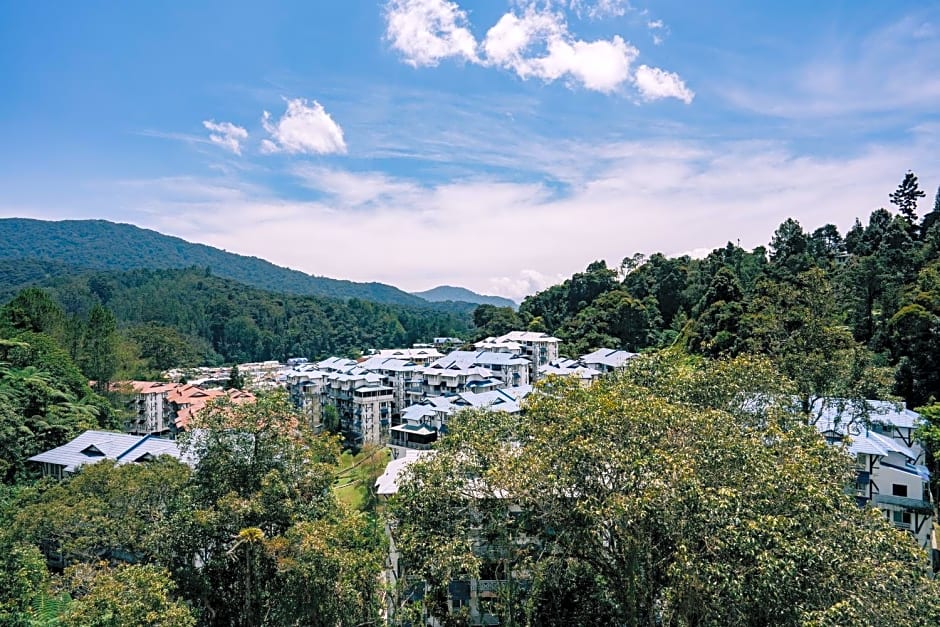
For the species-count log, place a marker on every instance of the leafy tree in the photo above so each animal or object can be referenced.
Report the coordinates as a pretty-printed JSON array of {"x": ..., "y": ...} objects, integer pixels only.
[
  {"x": 669, "y": 497},
  {"x": 716, "y": 331},
  {"x": 24, "y": 581},
  {"x": 931, "y": 218},
  {"x": 799, "y": 327},
  {"x": 99, "y": 359},
  {"x": 790, "y": 250},
  {"x": 235, "y": 379},
  {"x": 491, "y": 320},
  {"x": 124, "y": 596},
  {"x": 905, "y": 197},
  {"x": 106, "y": 511},
  {"x": 272, "y": 544}
]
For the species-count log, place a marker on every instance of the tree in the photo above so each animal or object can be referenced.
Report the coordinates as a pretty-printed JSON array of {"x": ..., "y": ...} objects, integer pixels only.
[
  {"x": 670, "y": 497},
  {"x": 905, "y": 197},
  {"x": 799, "y": 327},
  {"x": 235, "y": 380},
  {"x": 931, "y": 218},
  {"x": 24, "y": 580},
  {"x": 124, "y": 596},
  {"x": 264, "y": 541},
  {"x": 99, "y": 350}
]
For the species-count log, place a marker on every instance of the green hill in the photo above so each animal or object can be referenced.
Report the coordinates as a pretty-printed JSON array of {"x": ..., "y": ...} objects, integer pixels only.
[
  {"x": 46, "y": 249},
  {"x": 444, "y": 293},
  {"x": 226, "y": 321}
]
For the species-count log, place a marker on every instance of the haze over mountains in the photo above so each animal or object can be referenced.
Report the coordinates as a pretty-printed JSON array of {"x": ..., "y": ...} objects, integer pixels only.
[
  {"x": 33, "y": 250},
  {"x": 443, "y": 293}
]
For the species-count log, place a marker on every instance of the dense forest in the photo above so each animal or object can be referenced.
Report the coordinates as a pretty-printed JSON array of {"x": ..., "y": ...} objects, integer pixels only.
[
  {"x": 102, "y": 245},
  {"x": 870, "y": 296},
  {"x": 191, "y": 317}
]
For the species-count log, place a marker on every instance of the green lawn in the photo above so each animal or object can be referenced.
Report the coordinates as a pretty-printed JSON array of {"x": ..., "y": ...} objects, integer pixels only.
[{"x": 357, "y": 475}]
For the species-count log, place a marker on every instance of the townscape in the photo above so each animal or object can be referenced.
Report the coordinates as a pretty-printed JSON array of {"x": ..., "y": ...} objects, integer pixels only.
[{"x": 439, "y": 313}]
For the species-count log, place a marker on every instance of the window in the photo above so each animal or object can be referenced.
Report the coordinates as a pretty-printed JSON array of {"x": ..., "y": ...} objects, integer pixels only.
[
  {"x": 898, "y": 489},
  {"x": 902, "y": 518}
]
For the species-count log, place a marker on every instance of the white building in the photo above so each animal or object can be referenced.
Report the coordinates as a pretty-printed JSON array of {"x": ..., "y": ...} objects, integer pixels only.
[
  {"x": 890, "y": 471},
  {"x": 540, "y": 348}
]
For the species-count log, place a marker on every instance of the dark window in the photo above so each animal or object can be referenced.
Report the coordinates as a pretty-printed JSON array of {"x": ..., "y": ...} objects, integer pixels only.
[{"x": 899, "y": 490}]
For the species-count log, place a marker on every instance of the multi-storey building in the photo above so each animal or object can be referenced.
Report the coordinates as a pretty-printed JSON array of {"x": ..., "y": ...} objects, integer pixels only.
[
  {"x": 890, "y": 471},
  {"x": 424, "y": 422},
  {"x": 363, "y": 402},
  {"x": 399, "y": 375},
  {"x": 151, "y": 412},
  {"x": 540, "y": 348}
]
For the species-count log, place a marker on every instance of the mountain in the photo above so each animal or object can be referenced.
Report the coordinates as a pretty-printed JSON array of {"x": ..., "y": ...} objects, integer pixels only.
[
  {"x": 443, "y": 293},
  {"x": 42, "y": 249},
  {"x": 225, "y": 321}
]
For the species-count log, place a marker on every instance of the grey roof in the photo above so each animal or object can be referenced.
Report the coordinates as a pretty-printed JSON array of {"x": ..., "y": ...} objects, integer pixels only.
[
  {"x": 93, "y": 446},
  {"x": 916, "y": 505},
  {"x": 378, "y": 362},
  {"x": 836, "y": 410},
  {"x": 468, "y": 359},
  {"x": 609, "y": 357}
]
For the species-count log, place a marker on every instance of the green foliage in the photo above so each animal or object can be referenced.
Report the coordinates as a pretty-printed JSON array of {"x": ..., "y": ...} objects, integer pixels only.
[
  {"x": 123, "y": 596},
  {"x": 668, "y": 497},
  {"x": 44, "y": 401},
  {"x": 491, "y": 320},
  {"x": 235, "y": 379},
  {"x": 906, "y": 196},
  {"x": 24, "y": 584},
  {"x": 80, "y": 246},
  {"x": 106, "y": 511},
  {"x": 224, "y": 322},
  {"x": 273, "y": 545}
]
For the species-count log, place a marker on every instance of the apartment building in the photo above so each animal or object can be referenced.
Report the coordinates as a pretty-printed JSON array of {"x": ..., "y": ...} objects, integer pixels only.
[{"x": 890, "y": 470}]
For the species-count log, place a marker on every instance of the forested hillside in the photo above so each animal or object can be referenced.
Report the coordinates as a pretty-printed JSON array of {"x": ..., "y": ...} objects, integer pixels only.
[
  {"x": 102, "y": 245},
  {"x": 216, "y": 320},
  {"x": 848, "y": 313}
]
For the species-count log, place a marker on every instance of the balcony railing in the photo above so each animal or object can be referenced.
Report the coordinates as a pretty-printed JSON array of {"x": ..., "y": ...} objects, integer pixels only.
[{"x": 412, "y": 445}]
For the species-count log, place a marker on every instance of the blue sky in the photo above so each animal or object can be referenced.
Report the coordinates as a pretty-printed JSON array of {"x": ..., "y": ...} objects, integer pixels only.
[{"x": 498, "y": 145}]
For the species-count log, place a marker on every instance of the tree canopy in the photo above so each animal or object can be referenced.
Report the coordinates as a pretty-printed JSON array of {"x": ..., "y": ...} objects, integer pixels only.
[{"x": 684, "y": 492}]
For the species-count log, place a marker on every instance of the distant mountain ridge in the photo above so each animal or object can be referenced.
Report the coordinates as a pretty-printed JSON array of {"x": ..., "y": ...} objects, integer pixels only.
[
  {"x": 62, "y": 247},
  {"x": 443, "y": 293}
]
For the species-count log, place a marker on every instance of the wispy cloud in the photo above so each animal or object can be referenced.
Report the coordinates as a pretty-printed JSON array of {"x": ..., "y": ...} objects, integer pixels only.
[
  {"x": 624, "y": 197},
  {"x": 226, "y": 134},
  {"x": 891, "y": 69},
  {"x": 305, "y": 127}
]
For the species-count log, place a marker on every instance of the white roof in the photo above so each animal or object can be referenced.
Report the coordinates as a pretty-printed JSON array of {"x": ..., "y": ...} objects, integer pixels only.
[
  {"x": 527, "y": 336},
  {"x": 387, "y": 483}
]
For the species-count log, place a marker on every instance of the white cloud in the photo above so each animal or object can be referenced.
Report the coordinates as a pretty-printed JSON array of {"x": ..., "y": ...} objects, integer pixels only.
[
  {"x": 538, "y": 44},
  {"x": 600, "y": 9},
  {"x": 226, "y": 134},
  {"x": 534, "y": 41},
  {"x": 522, "y": 284},
  {"x": 626, "y": 197},
  {"x": 304, "y": 128},
  {"x": 426, "y": 31},
  {"x": 656, "y": 28},
  {"x": 655, "y": 83}
]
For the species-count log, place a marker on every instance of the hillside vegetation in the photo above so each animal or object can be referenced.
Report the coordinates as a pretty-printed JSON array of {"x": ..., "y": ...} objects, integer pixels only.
[{"x": 103, "y": 245}]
